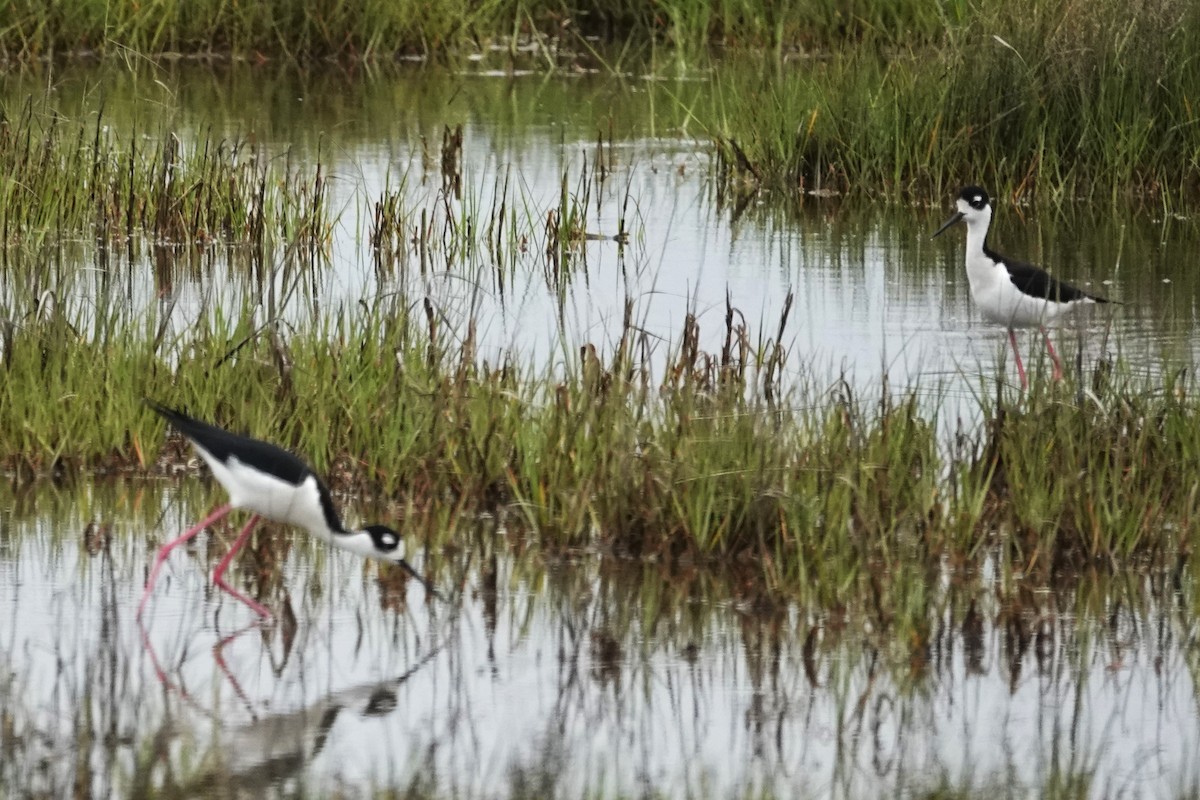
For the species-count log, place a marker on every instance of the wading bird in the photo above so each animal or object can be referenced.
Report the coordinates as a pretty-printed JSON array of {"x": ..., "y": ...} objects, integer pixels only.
[
  {"x": 272, "y": 483},
  {"x": 1010, "y": 292}
]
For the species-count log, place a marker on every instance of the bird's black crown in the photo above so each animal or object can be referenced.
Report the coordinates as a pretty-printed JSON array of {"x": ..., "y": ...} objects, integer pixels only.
[
  {"x": 386, "y": 540},
  {"x": 975, "y": 196}
]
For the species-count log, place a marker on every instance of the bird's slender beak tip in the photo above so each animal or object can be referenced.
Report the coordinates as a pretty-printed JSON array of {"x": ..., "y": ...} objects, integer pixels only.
[{"x": 954, "y": 219}]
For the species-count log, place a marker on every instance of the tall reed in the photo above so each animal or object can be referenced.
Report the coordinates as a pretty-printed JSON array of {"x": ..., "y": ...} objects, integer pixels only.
[
  {"x": 67, "y": 178},
  {"x": 1066, "y": 99}
]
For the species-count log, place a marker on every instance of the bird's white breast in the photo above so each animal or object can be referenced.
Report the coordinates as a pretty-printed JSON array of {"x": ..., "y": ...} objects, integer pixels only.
[{"x": 1000, "y": 300}]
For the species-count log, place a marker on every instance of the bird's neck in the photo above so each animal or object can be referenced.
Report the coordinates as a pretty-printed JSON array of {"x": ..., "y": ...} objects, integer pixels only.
[{"x": 977, "y": 239}]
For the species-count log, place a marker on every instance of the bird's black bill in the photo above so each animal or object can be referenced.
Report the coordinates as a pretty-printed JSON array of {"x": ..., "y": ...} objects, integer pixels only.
[
  {"x": 958, "y": 216},
  {"x": 420, "y": 579}
]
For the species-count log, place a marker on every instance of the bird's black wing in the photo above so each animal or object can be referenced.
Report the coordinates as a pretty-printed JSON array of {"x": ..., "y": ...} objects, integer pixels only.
[
  {"x": 1038, "y": 283},
  {"x": 222, "y": 444},
  {"x": 260, "y": 455}
]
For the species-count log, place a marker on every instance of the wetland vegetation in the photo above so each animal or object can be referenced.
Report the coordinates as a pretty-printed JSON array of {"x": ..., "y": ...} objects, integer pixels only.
[
  {"x": 813, "y": 490},
  {"x": 905, "y": 100},
  {"x": 296, "y": 246}
]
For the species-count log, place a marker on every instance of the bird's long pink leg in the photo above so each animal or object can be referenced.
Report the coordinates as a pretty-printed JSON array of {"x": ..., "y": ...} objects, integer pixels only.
[
  {"x": 219, "y": 573},
  {"x": 1058, "y": 373},
  {"x": 166, "y": 549},
  {"x": 1012, "y": 337}
]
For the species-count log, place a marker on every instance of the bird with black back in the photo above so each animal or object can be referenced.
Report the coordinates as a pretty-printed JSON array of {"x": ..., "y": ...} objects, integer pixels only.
[
  {"x": 274, "y": 484},
  {"x": 1010, "y": 292}
]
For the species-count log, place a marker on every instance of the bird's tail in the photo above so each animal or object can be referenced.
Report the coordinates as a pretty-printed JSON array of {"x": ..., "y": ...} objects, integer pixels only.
[
  {"x": 170, "y": 414},
  {"x": 187, "y": 425}
]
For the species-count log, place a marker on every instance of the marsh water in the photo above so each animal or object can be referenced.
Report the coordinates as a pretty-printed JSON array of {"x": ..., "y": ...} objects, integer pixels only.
[
  {"x": 579, "y": 677},
  {"x": 541, "y": 678}
]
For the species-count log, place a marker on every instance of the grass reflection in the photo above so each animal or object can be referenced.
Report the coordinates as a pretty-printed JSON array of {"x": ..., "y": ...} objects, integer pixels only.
[{"x": 572, "y": 675}]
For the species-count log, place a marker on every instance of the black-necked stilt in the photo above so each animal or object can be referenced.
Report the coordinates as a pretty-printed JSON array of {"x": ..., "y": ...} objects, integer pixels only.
[
  {"x": 1012, "y": 293},
  {"x": 272, "y": 483}
]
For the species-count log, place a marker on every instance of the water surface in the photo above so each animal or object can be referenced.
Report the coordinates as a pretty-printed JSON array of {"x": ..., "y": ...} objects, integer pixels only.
[{"x": 557, "y": 678}]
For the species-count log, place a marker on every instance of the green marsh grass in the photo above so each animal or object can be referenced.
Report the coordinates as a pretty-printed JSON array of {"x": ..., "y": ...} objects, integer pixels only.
[
  {"x": 378, "y": 31},
  {"x": 902, "y": 99},
  {"x": 804, "y": 490},
  {"x": 74, "y": 179},
  {"x": 1065, "y": 99}
]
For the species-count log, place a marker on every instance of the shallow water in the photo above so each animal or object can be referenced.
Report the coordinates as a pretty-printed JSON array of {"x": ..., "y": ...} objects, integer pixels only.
[{"x": 567, "y": 679}]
